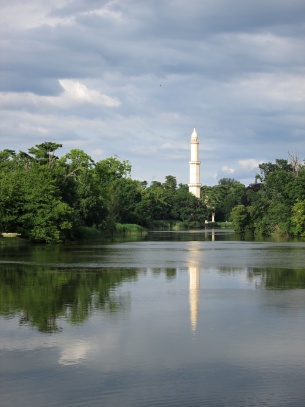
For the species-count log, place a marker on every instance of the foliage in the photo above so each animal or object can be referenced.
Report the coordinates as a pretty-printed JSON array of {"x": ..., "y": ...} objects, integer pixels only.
[
  {"x": 88, "y": 233},
  {"x": 127, "y": 228},
  {"x": 240, "y": 218},
  {"x": 276, "y": 204},
  {"x": 30, "y": 202},
  {"x": 222, "y": 198},
  {"x": 52, "y": 199},
  {"x": 298, "y": 218}
]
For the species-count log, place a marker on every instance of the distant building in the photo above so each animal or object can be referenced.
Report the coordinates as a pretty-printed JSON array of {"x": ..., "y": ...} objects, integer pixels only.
[{"x": 194, "y": 185}]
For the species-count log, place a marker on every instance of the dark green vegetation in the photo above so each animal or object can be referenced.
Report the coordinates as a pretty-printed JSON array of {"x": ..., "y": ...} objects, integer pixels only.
[
  {"x": 52, "y": 199},
  {"x": 276, "y": 204}
]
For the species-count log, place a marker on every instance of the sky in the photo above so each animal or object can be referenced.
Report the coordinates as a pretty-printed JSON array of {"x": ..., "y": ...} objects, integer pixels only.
[{"x": 132, "y": 78}]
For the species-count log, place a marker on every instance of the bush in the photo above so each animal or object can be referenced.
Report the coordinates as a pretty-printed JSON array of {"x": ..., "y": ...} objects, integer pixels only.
[
  {"x": 128, "y": 228},
  {"x": 240, "y": 218}
]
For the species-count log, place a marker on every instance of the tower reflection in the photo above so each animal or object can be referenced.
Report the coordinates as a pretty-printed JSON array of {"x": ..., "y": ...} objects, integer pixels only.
[{"x": 194, "y": 292}]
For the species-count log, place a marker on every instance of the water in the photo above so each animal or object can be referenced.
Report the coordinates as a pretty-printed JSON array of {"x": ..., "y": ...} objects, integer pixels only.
[{"x": 175, "y": 319}]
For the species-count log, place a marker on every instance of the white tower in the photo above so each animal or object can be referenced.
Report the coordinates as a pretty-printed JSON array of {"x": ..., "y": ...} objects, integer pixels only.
[{"x": 194, "y": 185}]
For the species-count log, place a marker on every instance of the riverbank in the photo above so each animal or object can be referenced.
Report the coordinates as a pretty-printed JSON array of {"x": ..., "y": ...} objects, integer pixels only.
[
  {"x": 121, "y": 230},
  {"x": 88, "y": 233},
  {"x": 177, "y": 225}
]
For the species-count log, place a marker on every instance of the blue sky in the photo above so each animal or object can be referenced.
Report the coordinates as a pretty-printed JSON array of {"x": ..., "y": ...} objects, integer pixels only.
[{"x": 133, "y": 78}]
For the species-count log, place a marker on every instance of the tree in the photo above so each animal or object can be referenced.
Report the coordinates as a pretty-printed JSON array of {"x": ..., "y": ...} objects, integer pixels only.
[
  {"x": 44, "y": 153},
  {"x": 188, "y": 209},
  {"x": 111, "y": 168},
  {"x": 44, "y": 216},
  {"x": 268, "y": 168},
  {"x": 148, "y": 209},
  {"x": 30, "y": 204},
  {"x": 82, "y": 190},
  {"x": 240, "y": 218},
  {"x": 222, "y": 198},
  {"x": 295, "y": 163},
  {"x": 127, "y": 193},
  {"x": 170, "y": 183},
  {"x": 298, "y": 218},
  {"x": 271, "y": 203}
]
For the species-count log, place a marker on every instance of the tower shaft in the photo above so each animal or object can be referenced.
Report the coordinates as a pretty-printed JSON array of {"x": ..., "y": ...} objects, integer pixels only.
[{"x": 194, "y": 185}]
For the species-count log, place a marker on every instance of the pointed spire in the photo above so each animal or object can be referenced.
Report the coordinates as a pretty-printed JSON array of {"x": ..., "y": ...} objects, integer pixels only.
[{"x": 194, "y": 134}]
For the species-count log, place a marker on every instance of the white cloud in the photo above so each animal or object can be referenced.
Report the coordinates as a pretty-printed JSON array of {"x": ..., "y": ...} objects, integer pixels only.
[
  {"x": 249, "y": 164},
  {"x": 77, "y": 92},
  {"x": 228, "y": 170},
  {"x": 74, "y": 93}
]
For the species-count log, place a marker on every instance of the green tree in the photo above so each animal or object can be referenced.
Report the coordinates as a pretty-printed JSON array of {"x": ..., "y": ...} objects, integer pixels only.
[
  {"x": 188, "y": 209},
  {"x": 222, "y": 198},
  {"x": 30, "y": 199},
  {"x": 270, "y": 203},
  {"x": 82, "y": 190},
  {"x": 240, "y": 218},
  {"x": 44, "y": 153},
  {"x": 111, "y": 169},
  {"x": 298, "y": 218},
  {"x": 127, "y": 193},
  {"x": 148, "y": 209}
]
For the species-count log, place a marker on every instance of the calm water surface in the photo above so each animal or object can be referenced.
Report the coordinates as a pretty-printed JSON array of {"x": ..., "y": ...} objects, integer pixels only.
[{"x": 175, "y": 319}]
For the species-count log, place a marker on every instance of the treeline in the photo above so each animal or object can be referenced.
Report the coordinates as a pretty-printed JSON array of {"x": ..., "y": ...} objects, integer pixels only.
[
  {"x": 276, "y": 202},
  {"x": 47, "y": 198}
]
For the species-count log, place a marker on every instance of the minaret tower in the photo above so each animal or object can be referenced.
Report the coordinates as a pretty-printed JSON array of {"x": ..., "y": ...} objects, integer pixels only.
[{"x": 194, "y": 185}]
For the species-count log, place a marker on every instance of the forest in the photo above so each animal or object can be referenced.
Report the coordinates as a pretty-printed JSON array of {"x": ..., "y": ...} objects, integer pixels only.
[{"x": 47, "y": 198}]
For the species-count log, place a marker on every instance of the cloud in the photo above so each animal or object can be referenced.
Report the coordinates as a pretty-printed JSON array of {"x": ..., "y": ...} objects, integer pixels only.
[
  {"x": 79, "y": 93},
  {"x": 133, "y": 78},
  {"x": 228, "y": 170},
  {"x": 249, "y": 164},
  {"x": 74, "y": 93}
]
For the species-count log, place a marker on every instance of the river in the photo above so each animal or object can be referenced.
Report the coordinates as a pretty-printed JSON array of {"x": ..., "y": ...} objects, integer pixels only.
[{"x": 198, "y": 318}]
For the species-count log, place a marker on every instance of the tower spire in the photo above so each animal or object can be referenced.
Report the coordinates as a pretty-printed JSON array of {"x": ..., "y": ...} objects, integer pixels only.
[{"x": 194, "y": 185}]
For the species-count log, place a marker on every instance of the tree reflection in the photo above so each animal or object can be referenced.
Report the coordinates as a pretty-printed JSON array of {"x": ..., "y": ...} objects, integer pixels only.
[
  {"x": 272, "y": 278},
  {"x": 279, "y": 278},
  {"x": 41, "y": 297}
]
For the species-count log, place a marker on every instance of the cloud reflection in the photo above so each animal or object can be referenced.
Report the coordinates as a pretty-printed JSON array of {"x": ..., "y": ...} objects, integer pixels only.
[{"x": 75, "y": 353}]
